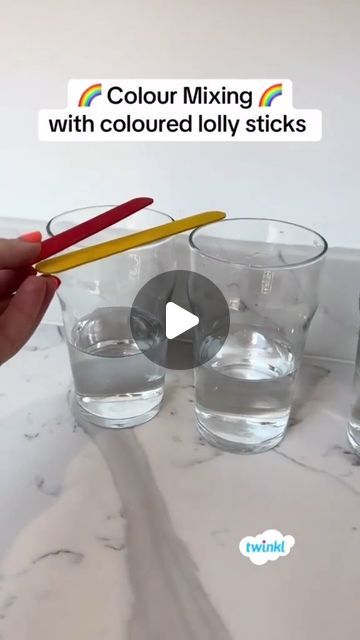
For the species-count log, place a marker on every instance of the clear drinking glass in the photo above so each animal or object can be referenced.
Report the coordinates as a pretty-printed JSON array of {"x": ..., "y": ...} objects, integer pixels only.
[
  {"x": 353, "y": 429},
  {"x": 268, "y": 271},
  {"x": 115, "y": 384}
]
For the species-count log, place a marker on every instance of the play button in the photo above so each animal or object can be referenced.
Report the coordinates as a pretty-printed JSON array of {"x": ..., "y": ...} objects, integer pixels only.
[{"x": 179, "y": 319}]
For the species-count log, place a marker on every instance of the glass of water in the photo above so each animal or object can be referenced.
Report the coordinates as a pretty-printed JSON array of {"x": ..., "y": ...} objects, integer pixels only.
[
  {"x": 268, "y": 271},
  {"x": 353, "y": 428},
  {"x": 115, "y": 384}
]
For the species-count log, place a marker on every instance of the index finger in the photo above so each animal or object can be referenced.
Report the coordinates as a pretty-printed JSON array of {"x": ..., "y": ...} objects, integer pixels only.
[
  {"x": 23, "y": 313},
  {"x": 17, "y": 253}
]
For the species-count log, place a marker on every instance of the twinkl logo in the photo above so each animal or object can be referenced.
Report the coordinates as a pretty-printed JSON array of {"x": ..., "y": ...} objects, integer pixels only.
[{"x": 266, "y": 546}]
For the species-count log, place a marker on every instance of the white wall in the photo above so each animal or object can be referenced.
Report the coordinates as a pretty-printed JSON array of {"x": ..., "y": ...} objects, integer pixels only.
[{"x": 313, "y": 42}]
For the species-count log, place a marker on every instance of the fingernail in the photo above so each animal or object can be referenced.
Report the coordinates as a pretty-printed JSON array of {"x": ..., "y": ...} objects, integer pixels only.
[
  {"x": 32, "y": 236},
  {"x": 54, "y": 279},
  {"x": 57, "y": 280}
]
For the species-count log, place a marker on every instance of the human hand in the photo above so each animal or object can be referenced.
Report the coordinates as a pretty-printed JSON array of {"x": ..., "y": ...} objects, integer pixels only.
[{"x": 24, "y": 296}]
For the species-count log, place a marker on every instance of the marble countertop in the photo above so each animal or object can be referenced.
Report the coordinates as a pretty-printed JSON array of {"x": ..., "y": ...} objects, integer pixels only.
[{"x": 133, "y": 535}]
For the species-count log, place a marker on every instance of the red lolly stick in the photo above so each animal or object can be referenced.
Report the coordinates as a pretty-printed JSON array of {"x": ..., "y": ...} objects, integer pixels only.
[{"x": 65, "y": 239}]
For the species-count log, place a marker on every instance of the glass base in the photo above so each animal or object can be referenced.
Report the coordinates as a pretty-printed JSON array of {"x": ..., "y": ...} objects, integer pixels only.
[
  {"x": 117, "y": 412},
  {"x": 244, "y": 441},
  {"x": 353, "y": 434}
]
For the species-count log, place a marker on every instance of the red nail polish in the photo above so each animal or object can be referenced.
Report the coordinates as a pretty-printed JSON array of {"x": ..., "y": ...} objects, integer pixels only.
[
  {"x": 32, "y": 236},
  {"x": 58, "y": 281}
]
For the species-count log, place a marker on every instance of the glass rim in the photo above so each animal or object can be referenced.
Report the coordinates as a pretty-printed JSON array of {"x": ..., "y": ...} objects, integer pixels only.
[
  {"x": 293, "y": 265},
  {"x": 97, "y": 206}
]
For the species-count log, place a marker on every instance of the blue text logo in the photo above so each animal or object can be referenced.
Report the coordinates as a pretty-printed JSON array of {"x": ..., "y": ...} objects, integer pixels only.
[{"x": 269, "y": 545}]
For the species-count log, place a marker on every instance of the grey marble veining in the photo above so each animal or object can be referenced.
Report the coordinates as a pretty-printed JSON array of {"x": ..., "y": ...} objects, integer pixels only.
[
  {"x": 134, "y": 535},
  {"x": 167, "y": 591}
]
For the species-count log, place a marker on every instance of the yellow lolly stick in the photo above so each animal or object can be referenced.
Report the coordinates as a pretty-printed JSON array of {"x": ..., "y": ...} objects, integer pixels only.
[{"x": 105, "y": 249}]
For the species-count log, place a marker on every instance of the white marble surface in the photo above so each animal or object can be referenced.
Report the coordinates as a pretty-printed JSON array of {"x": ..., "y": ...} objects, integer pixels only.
[{"x": 134, "y": 535}]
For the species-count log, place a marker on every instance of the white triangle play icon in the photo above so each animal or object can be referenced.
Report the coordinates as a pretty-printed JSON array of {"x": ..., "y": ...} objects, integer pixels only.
[{"x": 178, "y": 320}]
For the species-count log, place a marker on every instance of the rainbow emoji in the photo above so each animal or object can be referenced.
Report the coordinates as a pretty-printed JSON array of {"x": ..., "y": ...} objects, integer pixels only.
[
  {"x": 270, "y": 94},
  {"x": 89, "y": 94}
]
